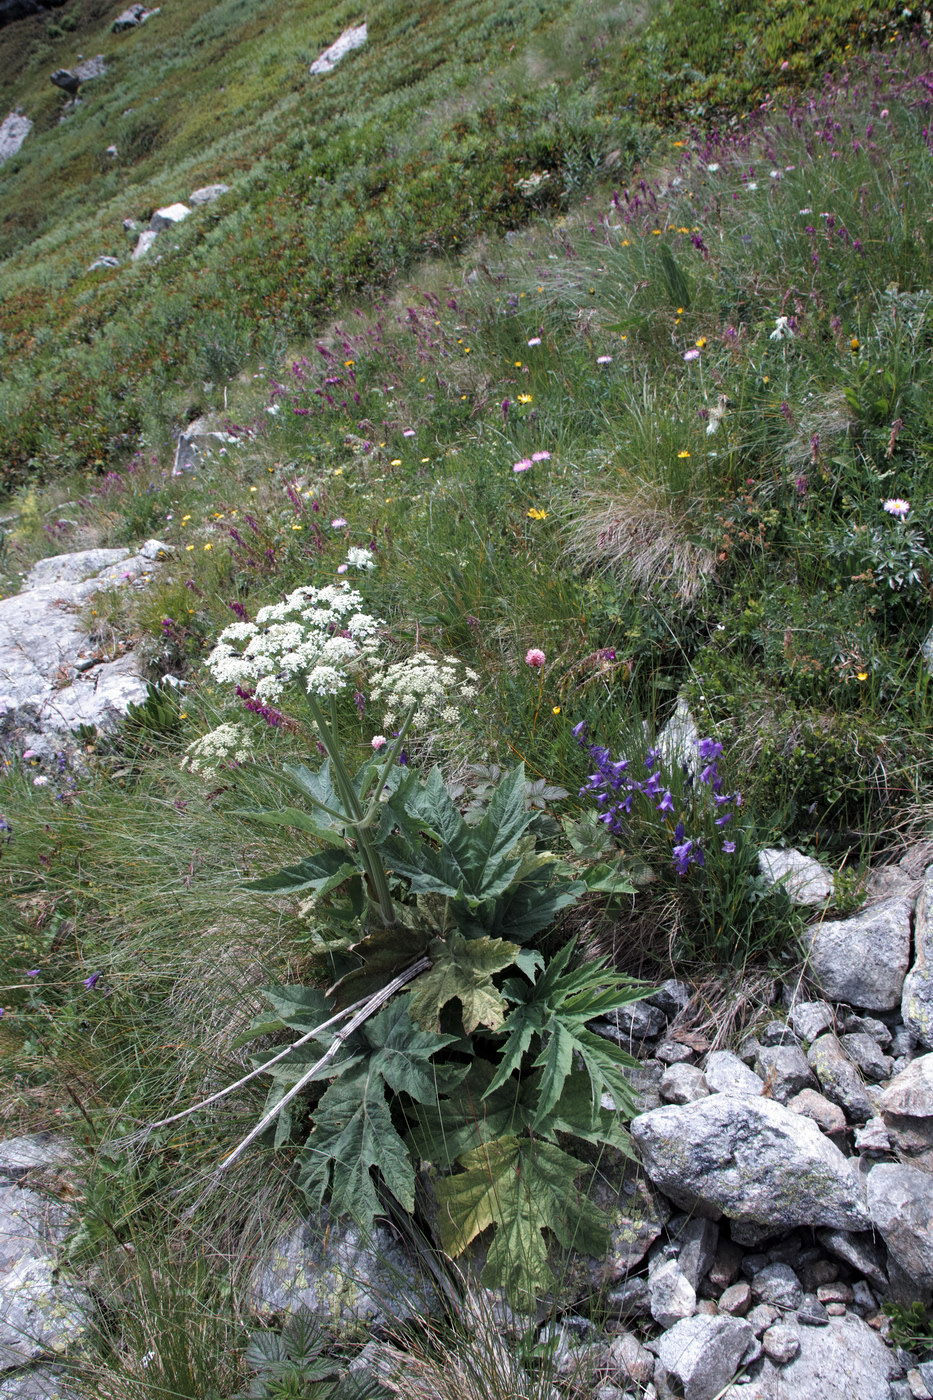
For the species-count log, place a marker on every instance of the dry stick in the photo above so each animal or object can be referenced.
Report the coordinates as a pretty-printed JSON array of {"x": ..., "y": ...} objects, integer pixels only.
[
  {"x": 295, "y": 1045},
  {"x": 365, "y": 1011}
]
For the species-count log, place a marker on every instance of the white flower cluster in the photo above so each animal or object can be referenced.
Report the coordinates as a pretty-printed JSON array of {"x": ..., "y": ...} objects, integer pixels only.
[
  {"x": 783, "y": 330},
  {"x": 360, "y": 558},
  {"x": 226, "y": 744},
  {"x": 320, "y": 634},
  {"x": 434, "y": 686}
]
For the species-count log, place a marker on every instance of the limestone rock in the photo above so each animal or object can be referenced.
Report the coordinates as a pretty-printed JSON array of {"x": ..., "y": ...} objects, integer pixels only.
[
  {"x": 865, "y": 1052},
  {"x": 65, "y": 79},
  {"x": 168, "y": 217},
  {"x": 671, "y": 997},
  {"x": 671, "y": 1295},
  {"x": 803, "y": 879},
  {"x": 906, "y": 1105},
  {"x": 683, "y": 1084},
  {"x": 132, "y": 18},
  {"x": 781, "y": 1344},
  {"x": 632, "y": 1024},
  {"x": 627, "y": 1361},
  {"x": 696, "y": 1240},
  {"x": 839, "y": 1078},
  {"x": 810, "y": 1018},
  {"x": 349, "y": 40},
  {"x": 143, "y": 243},
  {"x": 872, "y": 1140},
  {"x": 785, "y": 1070},
  {"x": 636, "y": 1215},
  {"x": 753, "y": 1159},
  {"x": 40, "y": 1314},
  {"x": 900, "y": 1199},
  {"x": 50, "y": 678},
  {"x": 704, "y": 1353},
  {"x": 37, "y": 1150},
  {"x": 105, "y": 260},
  {"x": 91, "y": 68},
  {"x": 778, "y": 1285},
  {"x": 726, "y": 1074},
  {"x": 13, "y": 132},
  {"x": 828, "y": 1117},
  {"x": 341, "y": 1276},
  {"x": 207, "y": 194},
  {"x": 38, "y": 1383},
  {"x": 917, "y": 1001},
  {"x": 677, "y": 741},
  {"x": 845, "y": 1360},
  {"x": 863, "y": 960}
]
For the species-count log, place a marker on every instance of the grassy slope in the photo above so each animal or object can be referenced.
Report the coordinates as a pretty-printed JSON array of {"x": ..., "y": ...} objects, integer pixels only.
[
  {"x": 794, "y": 646},
  {"x": 412, "y": 146}
]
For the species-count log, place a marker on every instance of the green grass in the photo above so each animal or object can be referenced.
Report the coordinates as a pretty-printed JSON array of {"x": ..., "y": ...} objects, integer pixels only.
[{"x": 752, "y": 569}]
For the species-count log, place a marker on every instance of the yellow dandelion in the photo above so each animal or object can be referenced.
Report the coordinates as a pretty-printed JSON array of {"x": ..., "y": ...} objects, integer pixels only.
[
  {"x": 518, "y": 364},
  {"x": 189, "y": 548},
  {"x": 854, "y": 343},
  {"x": 526, "y": 398},
  {"x": 535, "y": 514},
  {"x": 208, "y": 546},
  {"x": 396, "y": 462},
  {"x": 348, "y": 364},
  {"x": 555, "y": 709},
  {"x": 862, "y": 676},
  {"x": 685, "y": 453},
  {"x": 701, "y": 343}
]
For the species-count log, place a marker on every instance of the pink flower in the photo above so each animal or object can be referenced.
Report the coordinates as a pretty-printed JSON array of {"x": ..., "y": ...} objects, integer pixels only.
[
  {"x": 896, "y": 507},
  {"x": 524, "y": 465},
  {"x": 604, "y": 359},
  {"x": 409, "y": 432},
  {"x": 379, "y": 741},
  {"x": 691, "y": 355},
  {"x": 338, "y": 523},
  {"x": 535, "y": 340},
  {"x": 540, "y": 456},
  {"x": 341, "y": 568},
  {"x": 535, "y": 657}
]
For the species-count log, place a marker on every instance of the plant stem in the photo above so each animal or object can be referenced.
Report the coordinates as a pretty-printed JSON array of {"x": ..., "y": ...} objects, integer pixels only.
[{"x": 370, "y": 1006}]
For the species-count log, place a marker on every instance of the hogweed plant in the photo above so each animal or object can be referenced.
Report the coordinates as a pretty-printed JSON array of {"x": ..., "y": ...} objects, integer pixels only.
[{"x": 445, "y": 1036}]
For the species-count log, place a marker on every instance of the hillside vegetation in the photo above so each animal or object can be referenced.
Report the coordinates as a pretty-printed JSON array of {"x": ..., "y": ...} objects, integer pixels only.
[{"x": 596, "y": 358}]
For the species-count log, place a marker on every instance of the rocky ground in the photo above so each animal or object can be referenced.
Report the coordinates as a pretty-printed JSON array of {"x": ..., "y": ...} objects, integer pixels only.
[{"x": 784, "y": 1188}]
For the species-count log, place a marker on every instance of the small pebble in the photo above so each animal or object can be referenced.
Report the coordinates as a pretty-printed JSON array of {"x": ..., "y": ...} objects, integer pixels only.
[
  {"x": 835, "y": 1293},
  {"x": 781, "y": 1344},
  {"x": 918, "y": 1386},
  {"x": 836, "y": 1309},
  {"x": 762, "y": 1317},
  {"x": 868, "y": 1025},
  {"x": 726, "y": 1265},
  {"x": 820, "y": 1271},
  {"x": 863, "y": 1300},
  {"x": 812, "y": 1313},
  {"x": 672, "y": 1052},
  {"x": 736, "y": 1300},
  {"x": 777, "y": 1033}
]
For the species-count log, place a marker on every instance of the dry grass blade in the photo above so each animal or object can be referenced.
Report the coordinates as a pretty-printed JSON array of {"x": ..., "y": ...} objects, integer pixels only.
[{"x": 644, "y": 537}]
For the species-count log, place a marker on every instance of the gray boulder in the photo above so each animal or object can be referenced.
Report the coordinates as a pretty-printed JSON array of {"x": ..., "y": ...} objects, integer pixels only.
[
  {"x": 900, "y": 1199},
  {"x": 726, "y": 1074},
  {"x": 13, "y": 132},
  {"x": 785, "y": 1070},
  {"x": 65, "y": 79},
  {"x": 803, "y": 879},
  {"x": 810, "y": 1018},
  {"x": 342, "y": 1276},
  {"x": 38, "y": 1383},
  {"x": 143, "y": 243},
  {"x": 677, "y": 741},
  {"x": 860, "y": 1252},
  {"x": 751, "y": 1158},
  {"x": 906, "y": 1105},
  {"x": 105, "y": 260},
  {"x": 863, "y": 960},
  {"x": 828, "y": 1117},
  {"x": 671, "y": 1295},
  {"x": 636, "y": 1216},
  {"x": 132, "y": 18},
  {"x": 917, "y": 1001},
  {"x": 70, "y": 79},
  {"x": 839, "y": 1078},
  {"x": 21, "y": 1155},
  {"x": 51, "y": 679},
  {"x": 683, "y": 1084},
  {"x": 704, "y": 1353},
  {"x": 844, "y": 1360},
  {"x": 349, "y": 40},
  {"x": 168, "y": 217},
  {"x": 40, "y": 1314},
  {"x": 865, "y": 1052},
  {"x": 207, "y": 194}
]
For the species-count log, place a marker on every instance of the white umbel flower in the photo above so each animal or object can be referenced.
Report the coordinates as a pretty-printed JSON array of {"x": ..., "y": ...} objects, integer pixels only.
[
  {"x": 226, "y": 744},
  {"x": 783, "y": 330},
  {"x": 434, "y": 686}
]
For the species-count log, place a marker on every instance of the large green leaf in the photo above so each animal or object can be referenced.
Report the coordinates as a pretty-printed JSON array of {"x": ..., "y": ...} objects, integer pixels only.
[
  {"x": 554, "y": 1010},
  {"x": 525, "y": 1188},
  {"x": 321, "y": 873},
  {"x": 462, "y": 969},
  {"x": 330, "y": 833},
  {"x": 530, "y": 903},
  {"x": 448, "y": 1127},
  {"x": 385, "y": 952},
  {"x": 471, "y": 863},
  {"x": 354, "y": 1133}
]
